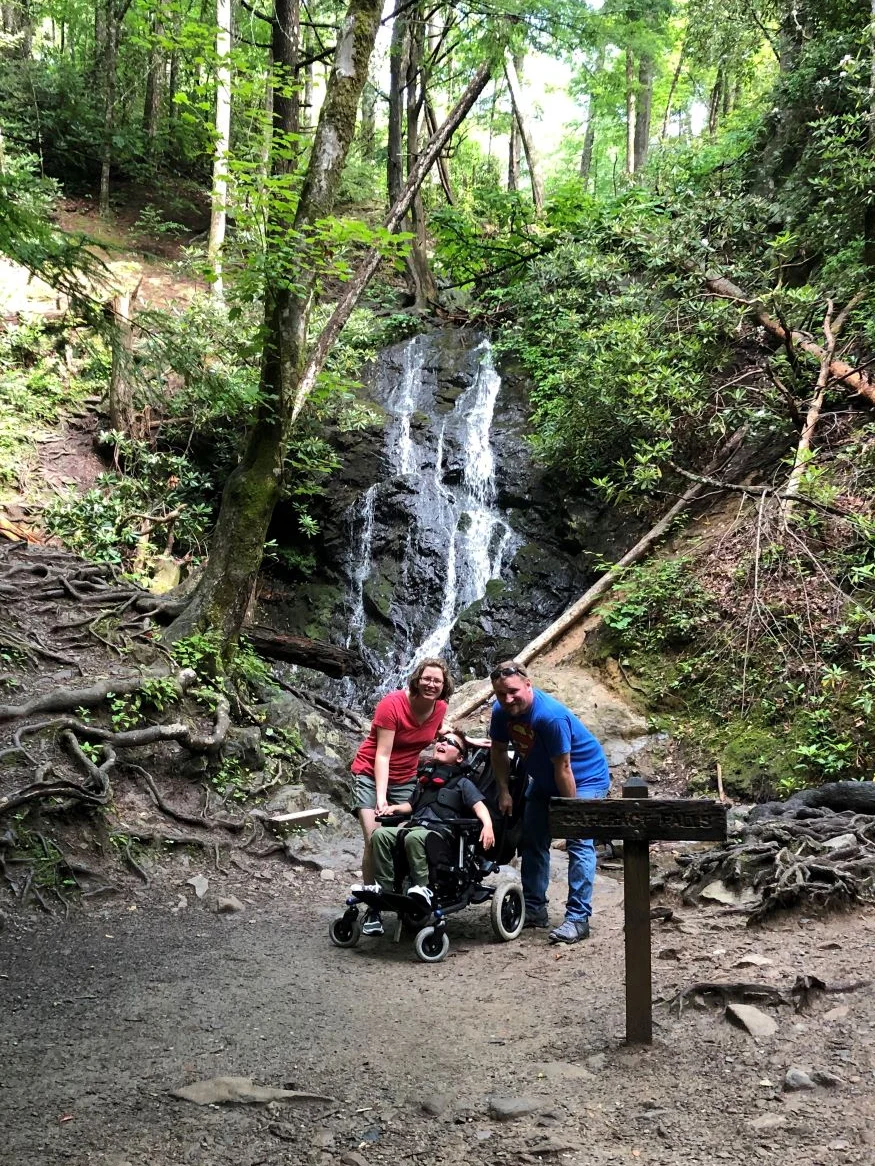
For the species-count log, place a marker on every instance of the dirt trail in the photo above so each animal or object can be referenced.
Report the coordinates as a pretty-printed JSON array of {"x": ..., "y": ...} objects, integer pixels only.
[{"x": 105, "y": 1014}]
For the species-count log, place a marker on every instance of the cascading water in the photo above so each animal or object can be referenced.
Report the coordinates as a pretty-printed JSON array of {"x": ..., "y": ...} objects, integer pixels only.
[{"x": 441, "y": 473}]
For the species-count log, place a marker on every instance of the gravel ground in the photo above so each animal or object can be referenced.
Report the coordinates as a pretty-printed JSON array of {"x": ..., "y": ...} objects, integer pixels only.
[{"x": 105, "y": 1014}]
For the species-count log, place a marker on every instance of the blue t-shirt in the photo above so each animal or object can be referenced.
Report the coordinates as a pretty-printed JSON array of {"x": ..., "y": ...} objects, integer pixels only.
[{"x": 546, "y": 731}]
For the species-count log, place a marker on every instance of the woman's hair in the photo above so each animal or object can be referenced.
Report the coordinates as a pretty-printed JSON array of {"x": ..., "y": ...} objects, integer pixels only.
[{"x": 415, "y": 677}]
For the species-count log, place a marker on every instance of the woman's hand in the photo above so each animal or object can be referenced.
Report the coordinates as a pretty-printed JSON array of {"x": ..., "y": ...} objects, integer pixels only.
[{"x": 487, "y": 837}]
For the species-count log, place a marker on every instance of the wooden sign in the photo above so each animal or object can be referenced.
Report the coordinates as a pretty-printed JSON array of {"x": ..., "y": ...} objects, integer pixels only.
[
  {"x": 609, "y": 820},
  {"x": 638, "y": 821}
]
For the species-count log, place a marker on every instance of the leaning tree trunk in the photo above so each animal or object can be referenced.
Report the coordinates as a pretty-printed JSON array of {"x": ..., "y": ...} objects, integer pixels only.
[
  {"x": 288, "y": 373},
  {"x": 524, "y": 123},
  {"x": 219, "y": 211}
]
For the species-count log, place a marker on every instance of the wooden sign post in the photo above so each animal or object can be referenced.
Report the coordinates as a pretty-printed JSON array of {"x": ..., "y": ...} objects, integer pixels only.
[{"x": 637, "y": 821}]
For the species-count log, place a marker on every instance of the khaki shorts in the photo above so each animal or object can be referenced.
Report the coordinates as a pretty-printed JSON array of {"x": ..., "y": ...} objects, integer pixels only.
[{"x": 364, "y": 792}]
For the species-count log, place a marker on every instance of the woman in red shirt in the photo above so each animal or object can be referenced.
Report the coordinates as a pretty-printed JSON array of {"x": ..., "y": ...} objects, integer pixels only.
[{"x": 385, "y": 765}]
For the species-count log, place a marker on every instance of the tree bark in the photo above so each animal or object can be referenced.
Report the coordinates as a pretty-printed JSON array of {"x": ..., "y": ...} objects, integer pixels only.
[
  {"x": 322, "y": 657},
  {"x": 251, "y": 492},
  {"x": 122, "y": 414},
  {"x": 643, "y": 112},
  {"x": 113, "y": 15},
  {"x": 154, "y": 84},
  {"x": 397, "y": 74},
  {"x": 520, "y": 110},
  {"x": 443, "y": 165},
  {"x": 666, "y": 117},
  {"x": 513, "y": 155},
  {"x": 219, "y": 210},
  {"x": 419, "y": 270},
  {"x": 286, "y": 105},
  {"x": 367, "y": 130},
  {"x": 630, "y": 112},
  {"x": 575, "y": 613}
]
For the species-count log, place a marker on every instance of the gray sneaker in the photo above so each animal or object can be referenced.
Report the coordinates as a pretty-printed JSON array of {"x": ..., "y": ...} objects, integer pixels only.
[{"x": 569, "y": 932}]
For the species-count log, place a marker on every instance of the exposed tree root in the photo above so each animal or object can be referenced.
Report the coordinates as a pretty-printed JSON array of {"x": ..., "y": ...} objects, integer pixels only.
[
  {"x": 63, "y": 699},
  {"x": 822, "y": 861},
  {"x": 799, "y": 993}
]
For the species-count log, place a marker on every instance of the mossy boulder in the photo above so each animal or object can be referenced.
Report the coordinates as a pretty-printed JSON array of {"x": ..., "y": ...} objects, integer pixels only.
[{"x": 756, "y": 762}]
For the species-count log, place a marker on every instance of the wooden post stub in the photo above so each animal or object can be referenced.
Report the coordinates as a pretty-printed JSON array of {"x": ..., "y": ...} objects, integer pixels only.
[{"x": 636, "y": 908}]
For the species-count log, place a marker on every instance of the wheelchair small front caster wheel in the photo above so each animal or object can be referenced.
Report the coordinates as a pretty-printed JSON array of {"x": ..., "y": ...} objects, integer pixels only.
[
  {"x": 431, "y": 946},
  {"x": 345, "y": 930}
]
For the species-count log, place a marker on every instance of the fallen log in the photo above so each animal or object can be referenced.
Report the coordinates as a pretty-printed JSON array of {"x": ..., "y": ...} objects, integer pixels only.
[
  {"x": 329, "y": 659},
  {"x": 839, "y": 370}
]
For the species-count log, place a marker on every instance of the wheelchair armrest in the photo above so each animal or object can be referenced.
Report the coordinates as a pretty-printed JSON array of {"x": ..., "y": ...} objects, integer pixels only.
[
  {"x": 464, "y": 823},
  {"x": 392, "y": 819}
]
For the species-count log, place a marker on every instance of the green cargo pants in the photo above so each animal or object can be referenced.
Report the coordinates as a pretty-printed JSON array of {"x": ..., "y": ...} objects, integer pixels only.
[{"x": 383, "y": 843}]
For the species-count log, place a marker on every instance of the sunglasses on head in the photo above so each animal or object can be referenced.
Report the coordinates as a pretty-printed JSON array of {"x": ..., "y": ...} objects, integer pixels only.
[
  {"x": 512, "y": 670},
  {"x": 449, "y": 741}
]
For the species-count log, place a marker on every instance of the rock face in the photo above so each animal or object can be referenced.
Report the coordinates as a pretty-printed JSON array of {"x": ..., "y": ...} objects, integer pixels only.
[{"x": 441, "y": 528}]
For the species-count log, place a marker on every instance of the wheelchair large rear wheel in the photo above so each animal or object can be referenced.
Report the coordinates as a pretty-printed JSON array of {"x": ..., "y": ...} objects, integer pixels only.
[
  {"x": 431, "y": 946},
  {"x": 345, "y": 931},
  {"x": 508, "y": 913}
]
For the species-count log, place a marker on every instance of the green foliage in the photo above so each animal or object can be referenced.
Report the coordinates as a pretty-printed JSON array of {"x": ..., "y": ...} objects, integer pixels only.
[
  {"x": 131, "y": 710},
  {"x": 660, "y": 606},
  {"x": 36, "y": 389},
  {"x": 105, "y": 523}
]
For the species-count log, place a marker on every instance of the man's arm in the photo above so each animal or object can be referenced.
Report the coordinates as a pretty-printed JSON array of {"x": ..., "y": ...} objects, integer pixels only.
[
  {"x": 501, "y": 769},
  {"x": 563, "y": 776}
]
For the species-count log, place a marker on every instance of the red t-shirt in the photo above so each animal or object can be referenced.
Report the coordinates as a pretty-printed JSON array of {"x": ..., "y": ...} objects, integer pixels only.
[{"x": 394, "y": 712}]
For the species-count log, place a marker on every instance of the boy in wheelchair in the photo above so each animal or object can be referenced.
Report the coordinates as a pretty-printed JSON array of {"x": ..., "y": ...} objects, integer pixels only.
[
  {"x": 443, "y": 850},
  {"x": 445, "y": 793}
]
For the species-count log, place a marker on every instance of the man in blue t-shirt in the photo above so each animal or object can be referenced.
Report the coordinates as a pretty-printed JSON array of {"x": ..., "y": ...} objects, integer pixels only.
[{"x": 562, "y": 759}]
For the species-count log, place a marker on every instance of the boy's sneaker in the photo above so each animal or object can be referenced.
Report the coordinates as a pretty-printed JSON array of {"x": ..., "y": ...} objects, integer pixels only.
[
  {"x": 373, "y": 924},
  {"x": 374, "y": 888},
  {"x": 570, "y": 931},
  {"x": 421, "y": 895}
]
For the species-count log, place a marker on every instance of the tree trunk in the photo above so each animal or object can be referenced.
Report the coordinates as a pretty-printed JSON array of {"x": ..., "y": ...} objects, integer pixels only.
[
  {"x": 219, "y": 210},
  {"x": 630, "y": 112},
  {"x": 513, "y": 155},
  {"x": 154, "y": 85},
  {"x": 109, "y": 67},
  {"x": 367, "y": 130},
  {"x": 237, "y": 545},
  {"x": 286, "y": 119},
  {"x": 666, "y": 117},
  {"x": 869, "y": 207},
  {"x": 122, "y": 414},
  {"x": 520, "y": 110},
  {"x": 251, "y": 492},
  {"x": 642, "y": 115},
  {"x": 443, "y": 164},
  {"x": 419, "y": 271},
  {"x": 326, "y": 658},
  {"x": 714, "y": 104},
  {"x": 397, "y": 74},
  {"x": 586, "y": 152}
]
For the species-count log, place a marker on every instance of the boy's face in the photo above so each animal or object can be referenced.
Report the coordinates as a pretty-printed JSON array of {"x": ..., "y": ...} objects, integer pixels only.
[{"x": 448, "y": 749}]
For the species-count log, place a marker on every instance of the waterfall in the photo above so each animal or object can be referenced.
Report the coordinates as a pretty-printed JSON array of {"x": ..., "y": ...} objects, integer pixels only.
[{"x": 442, "y": 472}]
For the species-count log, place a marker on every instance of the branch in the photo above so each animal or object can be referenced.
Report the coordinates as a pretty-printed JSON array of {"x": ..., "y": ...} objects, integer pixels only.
[{"x": 61, "y": 699}]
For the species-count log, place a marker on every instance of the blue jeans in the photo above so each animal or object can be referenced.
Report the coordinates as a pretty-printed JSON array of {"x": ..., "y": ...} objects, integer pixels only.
[{"x": 535, "y": 867}]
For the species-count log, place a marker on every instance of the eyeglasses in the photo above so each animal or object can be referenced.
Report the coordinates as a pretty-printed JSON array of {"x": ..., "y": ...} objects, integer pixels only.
[
  {"x": 513, "y": 670},
  {"x": 449, "y": 741}
]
